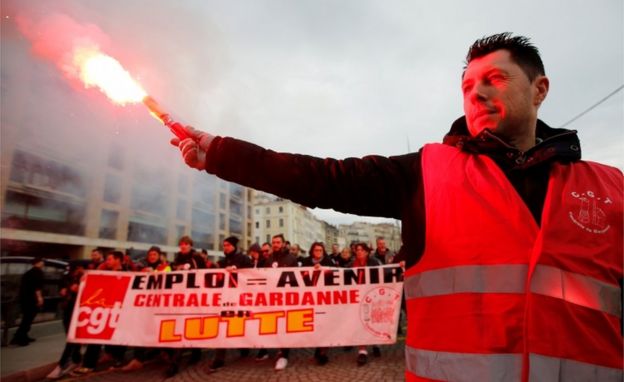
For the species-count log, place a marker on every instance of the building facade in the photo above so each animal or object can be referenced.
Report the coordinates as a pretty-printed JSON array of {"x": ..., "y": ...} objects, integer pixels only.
[
  {"x": 368, "y": 233},
  {"x": 274, "y": 216}
]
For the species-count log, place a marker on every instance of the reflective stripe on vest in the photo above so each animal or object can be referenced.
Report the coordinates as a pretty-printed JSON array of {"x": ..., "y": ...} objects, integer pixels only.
[
  {"x": 543, "y": 368},
  {"x": 445, "y": 366},
  {"x": 511, "y": 278}
]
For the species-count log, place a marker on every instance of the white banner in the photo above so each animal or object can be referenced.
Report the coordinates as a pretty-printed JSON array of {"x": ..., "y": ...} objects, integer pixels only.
[{"x": 267, "y": 307}]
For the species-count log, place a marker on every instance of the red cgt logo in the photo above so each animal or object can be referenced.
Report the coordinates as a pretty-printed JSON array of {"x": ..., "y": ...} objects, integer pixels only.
[{"x": 100, "y": 305}]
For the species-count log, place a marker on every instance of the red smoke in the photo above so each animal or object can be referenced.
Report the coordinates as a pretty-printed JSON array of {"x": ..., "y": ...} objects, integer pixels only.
[{"x": 55, "y": 36}]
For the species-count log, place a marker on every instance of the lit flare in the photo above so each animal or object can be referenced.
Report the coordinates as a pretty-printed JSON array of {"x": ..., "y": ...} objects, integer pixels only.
[{"x": 103, "y": 71}]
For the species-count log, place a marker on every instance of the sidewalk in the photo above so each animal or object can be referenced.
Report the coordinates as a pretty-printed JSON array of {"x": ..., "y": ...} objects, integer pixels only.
[{"x": 33, "y": 362}]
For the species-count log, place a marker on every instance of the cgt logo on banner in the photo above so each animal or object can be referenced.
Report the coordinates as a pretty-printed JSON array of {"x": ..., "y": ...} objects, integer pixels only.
[
  {"x": 100, "y": 305},
  {"x": 270, "y": 307}
]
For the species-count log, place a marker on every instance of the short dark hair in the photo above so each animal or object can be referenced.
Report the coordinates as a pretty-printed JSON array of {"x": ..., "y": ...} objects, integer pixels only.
[
  {"x": 116, "y": 254},
  {"x": 522, "y": 51},
  {"x": 186, "y": 239},
  {"x": 364, "y": 246},
  {"x": 281, "y": 236},
  {"x": 155, "y": 249}
]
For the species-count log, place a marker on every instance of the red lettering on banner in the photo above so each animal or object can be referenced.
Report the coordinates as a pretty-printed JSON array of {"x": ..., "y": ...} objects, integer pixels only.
[
  {"x": 177, "y": 300},
  {"x": 100, "y": 305},
  {"x": 335, "y": 297}
]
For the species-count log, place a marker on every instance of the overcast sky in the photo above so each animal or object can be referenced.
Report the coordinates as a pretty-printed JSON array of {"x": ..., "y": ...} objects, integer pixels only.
[{"x": 350, "y": 78}]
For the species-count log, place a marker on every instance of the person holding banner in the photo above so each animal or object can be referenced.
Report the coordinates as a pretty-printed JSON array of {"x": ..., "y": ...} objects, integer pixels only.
[
  {"x": 318, "y": 258},
  {"x": 232, "y": 261},
  {"x": 186, "y": 259},
  {"x": 364, "y": 259},
  {"x": 280, "y": 258},
  {"x": 255, "y": 254},
  {"x": 502, "y": 223},
  {"x": 151, "y": 263},
  {"x": 114, "y": 262}
]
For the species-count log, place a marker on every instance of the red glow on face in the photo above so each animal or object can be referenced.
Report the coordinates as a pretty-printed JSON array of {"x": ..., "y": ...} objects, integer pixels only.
[{"x": 497, "y": 94}]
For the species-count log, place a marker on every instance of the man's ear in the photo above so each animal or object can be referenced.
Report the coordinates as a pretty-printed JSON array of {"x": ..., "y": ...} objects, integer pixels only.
[{"x": 541, "y": 84}]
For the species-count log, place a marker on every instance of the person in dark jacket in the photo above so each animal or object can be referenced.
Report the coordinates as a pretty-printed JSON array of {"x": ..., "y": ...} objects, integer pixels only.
[
  {"x": 30, "y": 300},
  {"x": 255, "y": 254},
  {"x": 364, "y": 259},
  {"x": 280, "y": 255},
  {"x": 97, "y": 259},
  {"x": 318, "y": 258},
  {"x": 232, "y": 261},
  {"x": 114, "y": 262},
  {"x": 345, "y": 259},
  {"x": 233, "y": 258},
  {"x": 383, "y": 253},
  {"x": 503, "y": 86},
  {"x": 186, "y": 259},
  {"x": 153, "y": 262},
  {"x": 281, "y": 258}
]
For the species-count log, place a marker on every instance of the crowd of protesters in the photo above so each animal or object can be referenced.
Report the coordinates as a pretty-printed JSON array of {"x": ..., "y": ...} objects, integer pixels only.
[{"x": 278, "y": 253}]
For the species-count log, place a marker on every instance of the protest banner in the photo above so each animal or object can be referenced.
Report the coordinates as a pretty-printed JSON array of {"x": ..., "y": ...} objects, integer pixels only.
[{"x": 247, "y": 308}]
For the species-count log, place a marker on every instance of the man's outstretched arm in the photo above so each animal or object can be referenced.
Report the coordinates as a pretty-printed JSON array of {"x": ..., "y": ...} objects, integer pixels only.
[{"x": 372, "y": 186}]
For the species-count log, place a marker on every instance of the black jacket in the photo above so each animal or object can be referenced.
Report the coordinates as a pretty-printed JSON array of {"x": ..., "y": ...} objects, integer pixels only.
[
  {"x": 193, "y": 259},
  {"x": 388, "y": 186},
  {"x": 236, "y": 259},
  {"x": 283, "y": 259}
]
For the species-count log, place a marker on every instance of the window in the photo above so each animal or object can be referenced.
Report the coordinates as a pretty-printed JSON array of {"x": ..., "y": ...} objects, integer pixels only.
[
  {"x": 181, "y": 209},
  {"x": 108, "y": 224},
  {"x": 222, "y": 200},
  {"x": 281, "y": 222},
  {"x": 236, "y": 227},
  {"x": 36, "y": 171},
  {"x": 257, "y": 211},
  {"x": 281, "y": 209},
  {"x": 268, "y": 210},
  {"x": 268, "y": 223},
  {"x": 30, "y": 212},
  {"x": 257, "y": 224},
  {"x": 222, "y": 221},
  {"x": 146, "y": 233}
]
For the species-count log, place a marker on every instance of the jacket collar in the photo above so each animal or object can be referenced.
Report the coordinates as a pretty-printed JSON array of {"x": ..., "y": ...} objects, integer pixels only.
[{"x": 552, "y": 145}]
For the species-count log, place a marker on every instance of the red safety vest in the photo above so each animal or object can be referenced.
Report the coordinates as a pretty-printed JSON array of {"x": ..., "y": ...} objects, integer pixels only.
[{"x": 496, "y": 297}]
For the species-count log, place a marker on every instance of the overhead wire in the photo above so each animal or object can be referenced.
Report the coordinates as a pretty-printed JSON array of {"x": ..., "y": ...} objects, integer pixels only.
[{"x": 593, "y": 106}]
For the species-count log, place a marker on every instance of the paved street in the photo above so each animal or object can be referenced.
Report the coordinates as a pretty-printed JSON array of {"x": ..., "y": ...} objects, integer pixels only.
[
  {"x": 342, "y": 367},
  {"x": 33, "y": 362}
]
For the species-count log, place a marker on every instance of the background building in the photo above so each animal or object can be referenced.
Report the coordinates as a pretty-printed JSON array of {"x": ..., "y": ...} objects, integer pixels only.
[
  {"x": 273, "y": 216},
  {"x": 56, "y": 205},
  {"x": 369, "y": 232}
]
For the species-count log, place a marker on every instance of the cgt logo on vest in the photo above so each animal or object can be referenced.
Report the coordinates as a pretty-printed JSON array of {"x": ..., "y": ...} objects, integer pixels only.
[
  {"x": 100, "y": 305},
  {"x": 589, "y": 215}
]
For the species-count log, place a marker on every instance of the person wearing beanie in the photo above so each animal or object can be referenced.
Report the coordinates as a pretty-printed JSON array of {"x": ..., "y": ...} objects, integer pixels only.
[{"x": 231, "y": 262}]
